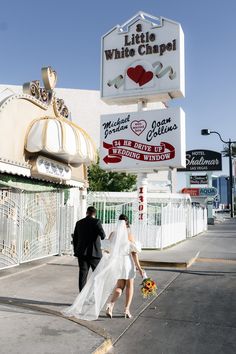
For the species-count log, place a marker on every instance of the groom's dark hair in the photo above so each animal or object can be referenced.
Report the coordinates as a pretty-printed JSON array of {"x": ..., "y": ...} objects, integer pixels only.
[{"x": 91, "y": 210}]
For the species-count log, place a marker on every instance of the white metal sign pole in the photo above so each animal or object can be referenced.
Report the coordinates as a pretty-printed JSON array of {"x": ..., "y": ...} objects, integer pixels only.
[
  {"x": 143, "y": 61},
  {"x": 142, "y": 197},
  {"x": 142, "y": 184}
]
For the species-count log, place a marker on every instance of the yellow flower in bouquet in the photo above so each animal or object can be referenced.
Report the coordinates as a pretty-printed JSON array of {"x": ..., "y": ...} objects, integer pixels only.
[{"x": 148, "y": 284}]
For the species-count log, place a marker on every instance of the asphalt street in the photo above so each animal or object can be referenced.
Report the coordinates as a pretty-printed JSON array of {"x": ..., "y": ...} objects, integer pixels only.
[{"x": 196, "y": 314}]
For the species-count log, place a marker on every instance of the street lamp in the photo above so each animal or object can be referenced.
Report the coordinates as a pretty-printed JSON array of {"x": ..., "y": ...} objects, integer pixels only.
[{"x": 229, "y": 143}]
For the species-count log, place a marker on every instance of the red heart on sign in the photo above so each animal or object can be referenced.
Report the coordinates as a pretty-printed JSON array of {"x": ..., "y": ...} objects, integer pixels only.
[
  {"x": 135, "y": 73},
  {"x": 145, "y": 78},
  {"x": 138, "y": 126}
]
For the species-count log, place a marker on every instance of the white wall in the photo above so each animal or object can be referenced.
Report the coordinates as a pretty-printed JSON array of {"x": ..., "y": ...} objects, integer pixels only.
[{"x": 85, "y": 107}]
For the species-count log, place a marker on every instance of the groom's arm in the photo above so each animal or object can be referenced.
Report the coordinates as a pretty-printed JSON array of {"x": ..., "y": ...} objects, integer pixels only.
[
  {"x": 100, "y": 230},
  {"x": 75, "y": 238}
]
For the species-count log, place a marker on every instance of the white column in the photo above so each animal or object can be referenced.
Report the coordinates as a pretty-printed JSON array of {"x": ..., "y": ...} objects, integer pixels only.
[
  {"x": 83, "y": 201},
  {"x": 142, "y": 181},
  {"x": 209, "y": 175},
  {"x": 173, "y": 180}
]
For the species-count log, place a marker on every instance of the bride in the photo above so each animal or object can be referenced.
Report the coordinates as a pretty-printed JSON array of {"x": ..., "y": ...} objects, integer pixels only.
[{"x": 116, "y": 270}]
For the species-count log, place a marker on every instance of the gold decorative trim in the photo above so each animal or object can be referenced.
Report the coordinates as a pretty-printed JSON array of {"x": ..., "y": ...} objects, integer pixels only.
[
  {"x": 60, "y": 109},
  {"x": 49, "y": 77},
  {"x": 46, "y": 94},
  {"x": 33, "y": 89}
]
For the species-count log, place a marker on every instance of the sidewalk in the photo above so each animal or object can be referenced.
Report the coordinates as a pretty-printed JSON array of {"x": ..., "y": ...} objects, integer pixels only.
[
  {"x": 32, "y": 296},
  {"x": 214, "y": 244},
  {"x": 41, "y": 293}
]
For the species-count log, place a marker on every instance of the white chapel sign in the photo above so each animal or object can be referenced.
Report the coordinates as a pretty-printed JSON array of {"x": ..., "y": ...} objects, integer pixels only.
[
  {"x": 144, "y": 58},
  {"x": 143, "y": 140}
]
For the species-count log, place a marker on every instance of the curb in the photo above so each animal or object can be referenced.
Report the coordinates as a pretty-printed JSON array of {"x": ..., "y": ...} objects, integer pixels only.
[
  {"x": 20, "y": 271},
  {"x": 103, "y": 347},
  {"x": 25, "y": 267},
  {"x": 157, "y": 264},
  {"x": 145, "y": 307},
  {"x": 216, "y": 260}
]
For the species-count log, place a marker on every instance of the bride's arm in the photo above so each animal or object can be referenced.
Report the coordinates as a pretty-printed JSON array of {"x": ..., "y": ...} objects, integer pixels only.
[
  {"x": 135, "y": 257},
  {"x": 111, "y": 235},
  {"x": 137, "y": 264}
]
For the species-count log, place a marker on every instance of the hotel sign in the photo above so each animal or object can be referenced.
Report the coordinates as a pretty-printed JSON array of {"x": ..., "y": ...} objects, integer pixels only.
[
  {"x": 143, "y": 140},
  {"x": 202, "y": 160},
  {"x": 144, "y": 58},
  {"x": 193, "y": 192},
  {"x": 200, "y": 192},
  {"x": 198, "y": 179}
]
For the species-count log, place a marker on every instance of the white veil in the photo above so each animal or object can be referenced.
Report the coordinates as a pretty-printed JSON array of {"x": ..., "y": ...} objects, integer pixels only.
[{"x": 100, "y": 284}]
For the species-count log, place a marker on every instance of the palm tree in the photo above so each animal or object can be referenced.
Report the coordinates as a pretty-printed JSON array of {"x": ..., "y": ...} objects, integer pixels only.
[{"x": 225, "y": 152}]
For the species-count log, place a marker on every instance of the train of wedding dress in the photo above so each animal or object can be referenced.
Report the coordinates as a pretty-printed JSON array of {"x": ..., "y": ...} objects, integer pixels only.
[{"x": 100, "y": 284}]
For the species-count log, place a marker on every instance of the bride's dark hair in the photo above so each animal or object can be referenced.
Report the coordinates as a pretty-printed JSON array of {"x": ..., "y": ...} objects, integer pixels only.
[{"x": 125, "y": 218}]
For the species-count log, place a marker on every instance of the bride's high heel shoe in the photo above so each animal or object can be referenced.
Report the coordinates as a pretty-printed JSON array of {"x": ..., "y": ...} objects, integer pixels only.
[
  {"x": 109, "y": 309},
  {"x": 127, "y": 314}
]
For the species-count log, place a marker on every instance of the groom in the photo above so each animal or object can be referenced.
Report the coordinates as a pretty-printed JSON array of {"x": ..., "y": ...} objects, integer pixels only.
[{"x": 87, "y": 244}]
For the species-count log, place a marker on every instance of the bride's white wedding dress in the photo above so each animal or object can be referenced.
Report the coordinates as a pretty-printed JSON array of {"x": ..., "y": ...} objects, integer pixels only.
[{"x": 117, "y": 264}]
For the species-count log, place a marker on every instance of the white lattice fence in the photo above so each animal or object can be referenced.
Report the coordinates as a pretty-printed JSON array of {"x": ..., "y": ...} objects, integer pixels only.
[
  {"x": 10, "y": 228},
  {"x": 33, "y": 225},
  {"x": 67, "y": 223},
  {"x": 40, "y": 225}
]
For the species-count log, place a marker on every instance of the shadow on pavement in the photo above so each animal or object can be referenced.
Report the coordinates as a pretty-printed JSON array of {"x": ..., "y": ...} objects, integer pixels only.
[
  {"x": 14, "y": 300},
  {"x": 195, "y": 272}
]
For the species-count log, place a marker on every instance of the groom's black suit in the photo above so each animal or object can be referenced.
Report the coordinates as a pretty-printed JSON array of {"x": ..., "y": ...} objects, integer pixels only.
[{"x": 87, "y": 245}]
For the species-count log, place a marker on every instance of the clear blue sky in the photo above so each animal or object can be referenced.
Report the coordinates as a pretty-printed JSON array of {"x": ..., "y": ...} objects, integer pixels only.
[{"x": 66, "y": 35}]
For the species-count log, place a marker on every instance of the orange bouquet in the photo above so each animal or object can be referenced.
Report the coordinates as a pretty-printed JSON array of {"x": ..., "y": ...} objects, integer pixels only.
[{"x": 149, "y": 287}]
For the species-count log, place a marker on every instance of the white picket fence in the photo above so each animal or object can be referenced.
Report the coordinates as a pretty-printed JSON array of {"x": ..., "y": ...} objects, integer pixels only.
[
  {"x": 170, "y": 217},
  {"x": 37, "y": 225}
]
